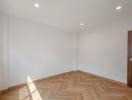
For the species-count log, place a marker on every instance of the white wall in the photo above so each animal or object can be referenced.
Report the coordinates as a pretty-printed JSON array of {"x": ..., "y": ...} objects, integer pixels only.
[
  {"x": 103, "y": 50},
  {"x": 40, "y": 51},
  {"x": 37, "y": 51},
  {"x": 75, "y": 50},
  {"x": 3, "y": 51}
]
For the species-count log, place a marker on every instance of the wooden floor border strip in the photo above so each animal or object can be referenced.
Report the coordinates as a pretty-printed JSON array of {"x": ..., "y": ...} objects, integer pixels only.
[
  {"x": 73, "y": 85},
  {"x": 55, "y": 76},
  {"x": 121, "y": 83},
  {"x": 24, "y": 84}
]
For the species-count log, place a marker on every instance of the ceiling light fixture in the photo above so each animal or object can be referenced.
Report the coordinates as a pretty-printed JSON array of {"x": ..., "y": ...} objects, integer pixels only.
[
  {"x": 118, "y": 7},
  {"x": 36, "y": 5},
  {"x": 82, "y": 24}
]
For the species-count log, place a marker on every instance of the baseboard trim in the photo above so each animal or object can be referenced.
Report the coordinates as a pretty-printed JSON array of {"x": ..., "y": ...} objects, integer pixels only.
[
  {"x": 105, "y": 73},
  {"x": 56, "y": 76},
  {"x": 24, "y": 84},
  {"x": 115, "y": 81}
]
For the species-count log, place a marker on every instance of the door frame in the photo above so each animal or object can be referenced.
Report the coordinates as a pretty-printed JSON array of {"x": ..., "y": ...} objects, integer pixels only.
[{"x": 128, "y": 52}]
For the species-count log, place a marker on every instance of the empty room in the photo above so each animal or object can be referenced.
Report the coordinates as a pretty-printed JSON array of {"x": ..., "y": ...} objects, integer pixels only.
[{"x": 65, "y": 49}]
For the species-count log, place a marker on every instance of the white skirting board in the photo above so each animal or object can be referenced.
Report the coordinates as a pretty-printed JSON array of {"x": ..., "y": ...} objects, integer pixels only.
[{"x": 107, "y": 74}]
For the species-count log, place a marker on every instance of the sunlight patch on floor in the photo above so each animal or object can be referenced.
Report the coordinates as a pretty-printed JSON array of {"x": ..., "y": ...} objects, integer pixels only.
[
  {"x": 29, "y": 92},
  {"x": 24, "y": 93},
  {"x": 33, "y": 90}
]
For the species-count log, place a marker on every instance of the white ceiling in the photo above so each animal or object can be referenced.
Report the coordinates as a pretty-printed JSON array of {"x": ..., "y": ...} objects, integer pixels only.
[{"x": 68, "y": 14}]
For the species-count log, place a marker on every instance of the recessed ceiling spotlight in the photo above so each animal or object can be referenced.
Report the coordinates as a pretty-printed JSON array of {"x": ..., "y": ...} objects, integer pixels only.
[
  {"x": 36, "y": 5},
  {"x": 118, "y": 7},
  {"x": 82, "y": 24}
]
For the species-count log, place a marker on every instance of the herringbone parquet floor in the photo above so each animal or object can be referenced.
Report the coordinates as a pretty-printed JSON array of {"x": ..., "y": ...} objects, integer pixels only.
[{"x": 70, "y": 86}]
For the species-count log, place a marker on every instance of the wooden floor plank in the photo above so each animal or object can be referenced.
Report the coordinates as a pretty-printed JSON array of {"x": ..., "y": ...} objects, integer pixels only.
[{"x": 70, "y": 86}]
